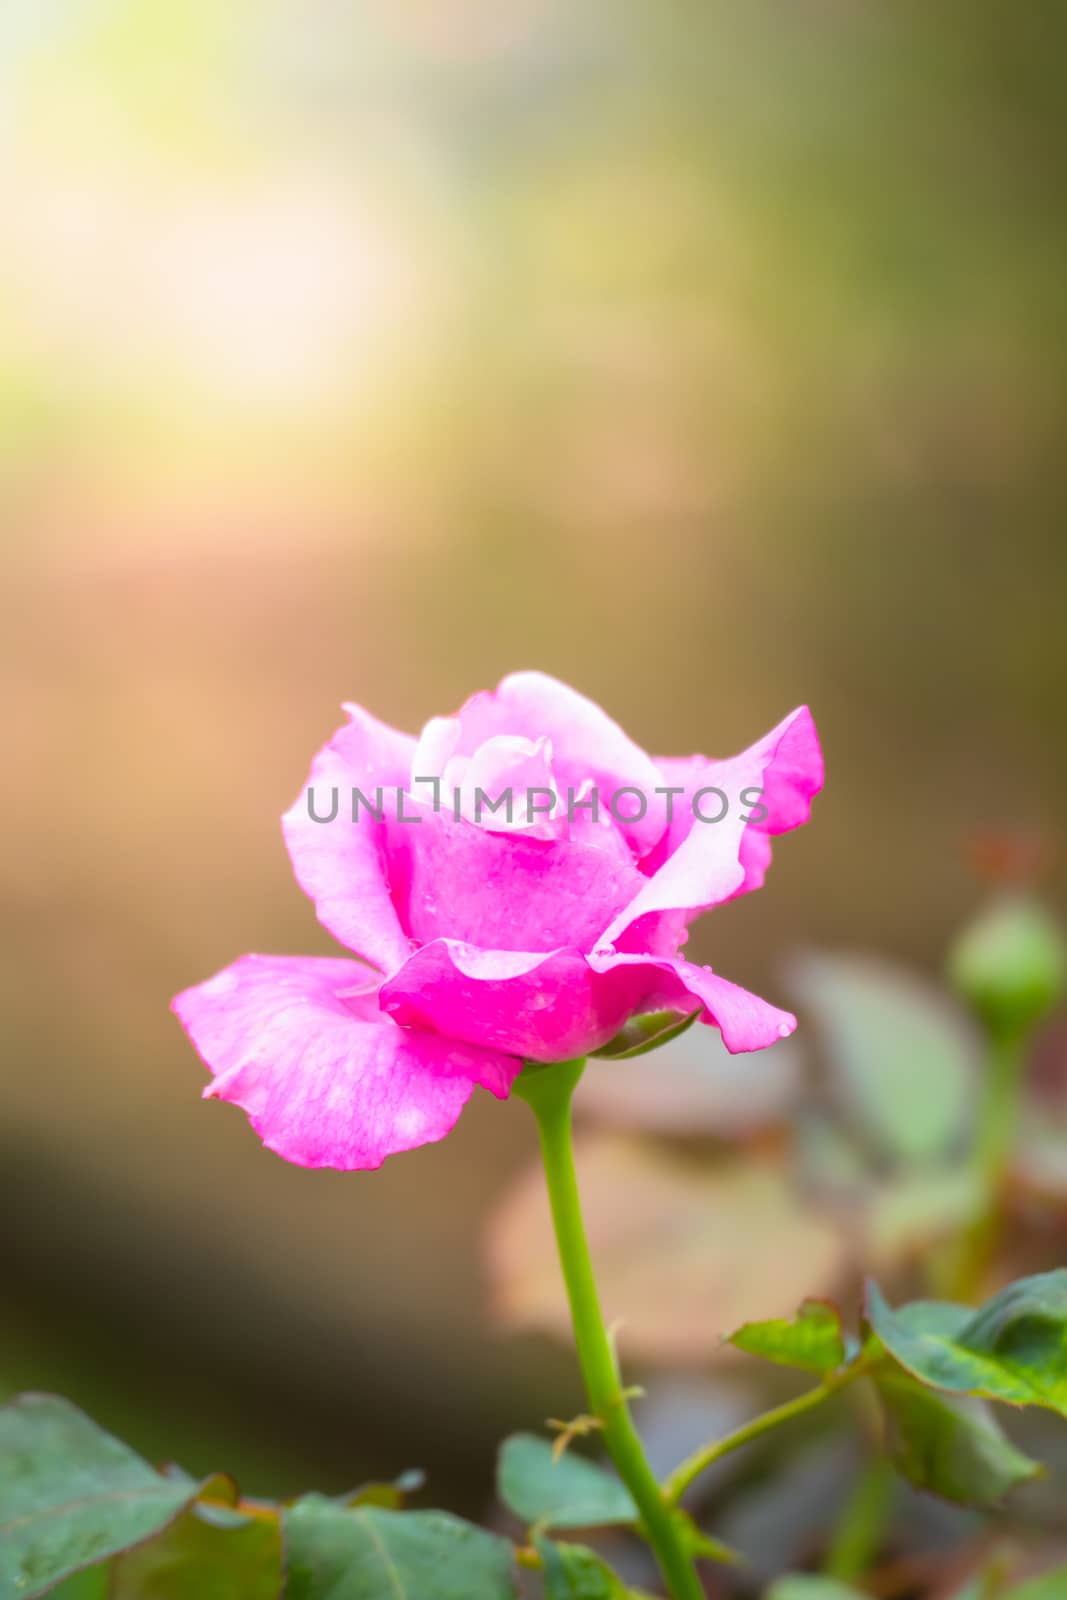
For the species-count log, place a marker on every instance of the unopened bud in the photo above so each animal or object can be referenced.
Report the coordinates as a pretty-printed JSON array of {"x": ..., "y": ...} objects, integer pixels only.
[{"x": 1011, "y": 964}]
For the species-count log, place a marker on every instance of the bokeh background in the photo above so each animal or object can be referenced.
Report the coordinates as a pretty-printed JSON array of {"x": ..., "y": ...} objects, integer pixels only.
[{"x": 711, "y": 357}]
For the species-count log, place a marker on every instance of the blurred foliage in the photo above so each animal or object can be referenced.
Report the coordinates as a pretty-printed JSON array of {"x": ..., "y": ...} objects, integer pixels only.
[
  {"x": 683, "y": 1251},
  {"x": 74, "y": 1500},
  {"x": 860, "y": 1149}
]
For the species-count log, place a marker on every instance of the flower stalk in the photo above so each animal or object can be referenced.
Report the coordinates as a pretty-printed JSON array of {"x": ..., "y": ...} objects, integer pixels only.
[
  {"x": 548, "y": 1091},
  {"x": 998, "y": 1117},
  {"x": 691, "y": 1468},
  {"x": 1010, "y": 966}
]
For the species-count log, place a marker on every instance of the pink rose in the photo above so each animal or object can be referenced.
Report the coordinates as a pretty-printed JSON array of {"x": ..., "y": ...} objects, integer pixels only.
[{"x": 533, "y": 931}]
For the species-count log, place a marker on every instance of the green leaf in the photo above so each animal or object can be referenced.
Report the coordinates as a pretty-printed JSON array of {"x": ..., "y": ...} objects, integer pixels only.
[
  {"x": 1014, "y": 1349},
  {"x": 811, "y": 1586},
  {"x": 71, "y": 1495},
  {"x": 646, "y": 1032},
  {"x": 367, "y": 1553},
  {"x": 91, "y": 1583},
  {"x": 391, "y": 1496},
  {"x": 574, "y": 1572},
  {"x": 949, "y": 1445},
  {"x": 901, "y": 1057},
  {"x": 196, "y": 1558},
  {"x": 813, "y": 1340},
  {"x": 570, "y": 1492}
]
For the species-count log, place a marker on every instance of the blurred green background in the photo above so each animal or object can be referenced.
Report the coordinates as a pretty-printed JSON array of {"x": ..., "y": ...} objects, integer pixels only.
[{"x": 710, "y": 357}]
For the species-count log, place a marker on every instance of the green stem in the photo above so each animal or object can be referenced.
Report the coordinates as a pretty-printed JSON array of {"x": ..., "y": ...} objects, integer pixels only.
[
  {"x": 691, "y": 1468},
  {"x": 548, "y": 1091},
  {"x": 1000, "y": 1107},
  {"x": 861, "y": 1530},
  {"x": 994, "y": 1140}
]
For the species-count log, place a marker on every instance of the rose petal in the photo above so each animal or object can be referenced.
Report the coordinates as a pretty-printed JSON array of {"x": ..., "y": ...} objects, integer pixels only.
[
  {"x": 550, "y": 1007},
  {"x": 326, "y": 1079},
  {"x": 340, "y": 864},
  {"x": 791, "y": 774},
  {"x": 545, "y": 1006},
  {"x": 745, "y": 1021},
  {"x": 437, "y": 744},
  {"x": 586, "y": 744},
  {"x": 514, "y": 775},
  {"x": 700, "y": 862},
  {"x": 502, "y": 891}
]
